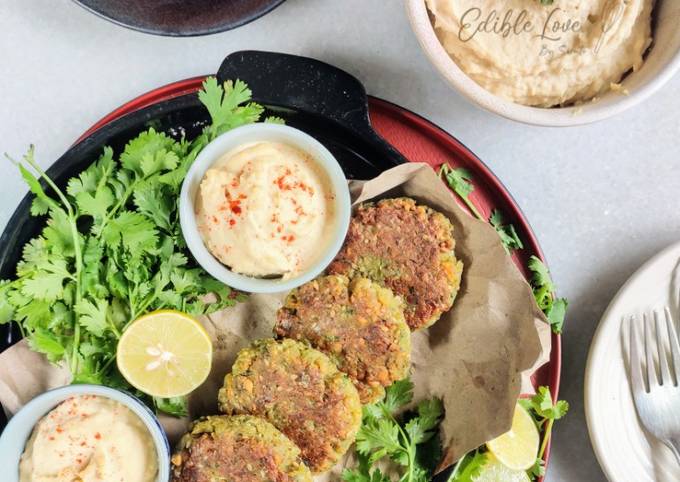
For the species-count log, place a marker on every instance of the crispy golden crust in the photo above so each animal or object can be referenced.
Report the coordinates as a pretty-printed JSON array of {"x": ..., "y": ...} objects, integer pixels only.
[
  {"x": 237, "y": 449},
  {"x": 359, "y": 324},
  {"x": 408, "y": 248},
  {"x": 301, "y": 392}
]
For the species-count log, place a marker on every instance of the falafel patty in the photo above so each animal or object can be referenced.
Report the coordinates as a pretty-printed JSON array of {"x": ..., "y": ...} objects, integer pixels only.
[
  {"x": 237, "y": 449},
  {"x": 410, "y": 249},
  {"x": 301, "y": 392},
  {"x": 358, "y": 323}
]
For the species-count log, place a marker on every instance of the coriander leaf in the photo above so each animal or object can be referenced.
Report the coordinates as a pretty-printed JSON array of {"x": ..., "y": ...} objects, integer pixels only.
[
  {"x": 545, "y": 412},
  {"x": 459, "y": 180},
  {"x": 541, "y": 275},
  {"x": 137, "y": 233},
  {"x": 543, "y": 406},
  {"x": 92, "y": 265},
  {"x": 34, "y": 314},
  {"x": 420, "y": 428},
  {"x": 97, "y": 204},
  {"x": 34, "y": 184},
  {"x": 355, "y": 475},
  {"x": 543, "y": 286},
  {"x": 506, "y": 232},
  {"x": 470, "y": 467},
  {"x": 46, "y": 343},
  {"x": 416, "y": 432},
  {"x": 177, "y": 406},
  {"x": 138, "y": 150},
  {"x": 48, "y": 282},
  {"x": 372, "y": 412},
  {"x": 556, "y": 314},
  {"x": 33, "y": 256},
  {"x": 58, "y": 234},
  {"x": 158, "y": 161},
  {"x": 538, "y": 469},
  {"x": 94, "y": 176},
  {"x": 225, "y": 106},
  {"x": 272, "y": 119},
  {"x": 151, "y": 202},
  {"x": 383, "y": 434},
  {"x": 398, "y": 394},
  {"x": 6, "y": 307},
  {"x": 93, "y": 315},
  {"x": 39, "y": 207},
  {"x": 430, "y": 412}
]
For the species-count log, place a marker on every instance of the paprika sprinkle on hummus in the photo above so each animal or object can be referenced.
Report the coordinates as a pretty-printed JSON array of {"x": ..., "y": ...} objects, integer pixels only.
[{"x": 266, "y": 209}]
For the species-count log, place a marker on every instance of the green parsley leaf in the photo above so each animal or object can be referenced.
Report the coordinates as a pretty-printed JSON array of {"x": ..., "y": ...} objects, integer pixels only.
[
  {"x": 93, "y": 315},
  {"x": 543, "y": 286},
  {"x": 460, "y": 181},
  {"x": 177, "y": 406},
  {"x": 506, "y": 232},
  {"x": 556, "y": 314},
  {"x": 229, "y": 106},
  {"x": 469, "y": 467},
  {"x": 397, "y": 395},
  {"x": 542, "y": 405},
  {"x": 545, "y": 413},
  {"x": 45, "y": 342},
  {"x": 411, "y": 441},
  {"x": 112, "y": 248}
]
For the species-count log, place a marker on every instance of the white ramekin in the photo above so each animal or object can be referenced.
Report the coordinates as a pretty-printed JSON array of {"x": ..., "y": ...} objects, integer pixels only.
[
  {"x": 662, "y": 62},
  {"x": 231, "y": 140},
  {"x": 20, "y": 426}
]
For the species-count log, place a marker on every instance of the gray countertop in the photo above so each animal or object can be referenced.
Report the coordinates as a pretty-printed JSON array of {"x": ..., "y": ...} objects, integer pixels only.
[{"x": 601, "y": 198}]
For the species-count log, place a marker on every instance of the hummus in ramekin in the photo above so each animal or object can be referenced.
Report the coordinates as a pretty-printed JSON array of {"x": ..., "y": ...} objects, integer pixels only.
[{"x": 545, "y": 55}]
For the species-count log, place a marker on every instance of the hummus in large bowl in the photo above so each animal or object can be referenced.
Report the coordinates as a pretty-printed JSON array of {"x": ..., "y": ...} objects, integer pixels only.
[{"x": 544, "y": 55}]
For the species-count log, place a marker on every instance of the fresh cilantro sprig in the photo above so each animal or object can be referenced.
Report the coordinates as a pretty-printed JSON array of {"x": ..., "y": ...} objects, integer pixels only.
[
  {"x": 555, "y": 309},
  {"x": 545, "y": 412},
  {"x": 460, "y": 181},
  {"x": 506, "y": 232},
  {"x": 112, "y": 247},
  {"x": 469, "y": 467},
  {"x": 385, "y": 435}
]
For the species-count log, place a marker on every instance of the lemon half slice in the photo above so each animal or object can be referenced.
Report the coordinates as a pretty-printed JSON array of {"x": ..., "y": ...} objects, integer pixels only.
[
  {"x": 518, "y": 448},
  {"x": 165, "y": 354},
  {"x": 494, "y": 471}
]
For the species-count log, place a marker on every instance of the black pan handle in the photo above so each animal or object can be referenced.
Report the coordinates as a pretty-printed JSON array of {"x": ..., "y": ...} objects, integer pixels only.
[{"x": 308, "y": 85}]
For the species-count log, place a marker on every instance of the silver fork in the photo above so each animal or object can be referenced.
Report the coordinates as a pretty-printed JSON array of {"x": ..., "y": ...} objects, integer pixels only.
[{"x": 655, "y": 381}]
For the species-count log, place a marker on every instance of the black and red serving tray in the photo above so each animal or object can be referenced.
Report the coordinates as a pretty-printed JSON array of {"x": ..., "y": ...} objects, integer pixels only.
[{"x": 366, "y": 134}]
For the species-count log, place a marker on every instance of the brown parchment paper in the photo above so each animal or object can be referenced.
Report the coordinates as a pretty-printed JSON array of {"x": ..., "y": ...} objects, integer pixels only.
[{"x": 476, "y": 358}]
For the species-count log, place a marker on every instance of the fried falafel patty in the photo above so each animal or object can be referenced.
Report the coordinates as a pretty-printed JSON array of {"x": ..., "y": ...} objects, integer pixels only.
[
  {"x": 358, "y": 323},
  {"x": 301, "y": 392},
  {"x": 408, "y": 248},
  {"x": 237, "y": 449}
]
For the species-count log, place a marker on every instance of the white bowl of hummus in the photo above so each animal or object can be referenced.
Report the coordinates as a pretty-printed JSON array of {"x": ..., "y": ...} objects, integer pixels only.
[
  {"x": 84, "y": 432},
  {"x": 552, "y": 62},
  {"x": 264, "y": 208}
]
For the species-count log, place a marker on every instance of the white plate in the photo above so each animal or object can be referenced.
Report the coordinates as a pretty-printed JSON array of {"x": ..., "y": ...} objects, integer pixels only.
[{"x": 625, "y": 451}]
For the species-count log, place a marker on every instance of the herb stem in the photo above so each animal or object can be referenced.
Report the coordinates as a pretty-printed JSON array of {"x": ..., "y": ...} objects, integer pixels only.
[
  {"x": 77, "y": 255},
  {"x": 546, "y": 437}
]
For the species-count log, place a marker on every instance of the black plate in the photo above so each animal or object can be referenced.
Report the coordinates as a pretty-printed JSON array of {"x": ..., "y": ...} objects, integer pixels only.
[
  {"x": 180, "y": 18},
  {"x": 320, "y": 99}
]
